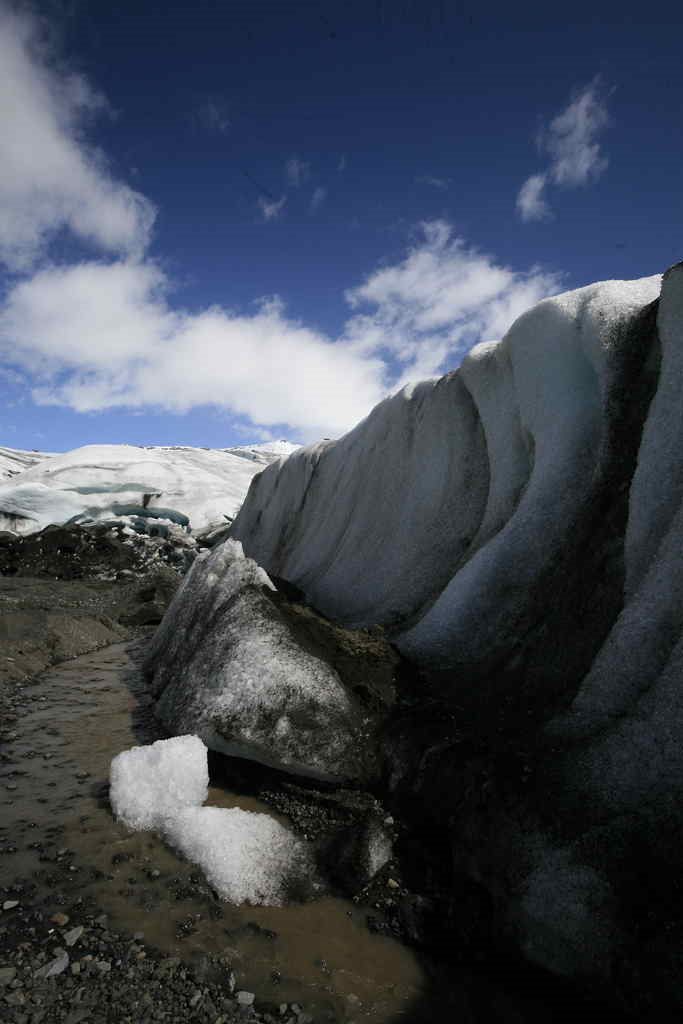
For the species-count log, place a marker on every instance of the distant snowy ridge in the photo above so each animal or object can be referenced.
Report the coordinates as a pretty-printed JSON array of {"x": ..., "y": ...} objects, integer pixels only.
[
  {"x": 15, "y": 460},
  {"x": 264, "y": 453},
  {"x": 205, "y": 486}
]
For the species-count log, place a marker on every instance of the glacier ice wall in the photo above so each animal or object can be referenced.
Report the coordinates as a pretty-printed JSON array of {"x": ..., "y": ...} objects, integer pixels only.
[{"x": 442, "y": 514}]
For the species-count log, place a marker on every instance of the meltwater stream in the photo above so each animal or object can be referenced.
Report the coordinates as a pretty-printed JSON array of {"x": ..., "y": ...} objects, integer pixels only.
[
  {"x": 53, "y": 799},
  {"x": 59, "y": 839}
]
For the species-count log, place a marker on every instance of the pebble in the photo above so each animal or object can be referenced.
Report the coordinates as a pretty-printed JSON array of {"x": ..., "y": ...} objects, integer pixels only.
[
  {"x": 245, "y": 998},
  {"x": 71, "y": 937},
  {"x": 7, "y": 974},
  {"x": 53, "y": 968},
  {"x": 60, "y": 919},
  {"x": 392, "y": 883},
  {"x": 10, "y": 904},
  {"x": 11, "y": 785}
]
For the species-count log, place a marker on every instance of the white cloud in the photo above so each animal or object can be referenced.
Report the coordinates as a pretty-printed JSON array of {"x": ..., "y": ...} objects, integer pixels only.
[
  {"x": 49, "y": 178},
  {"x": 341, "y": 166},
  {"x": 431, "y": 307},
  {"x": 297, "y": 172},
  {"x": 263, "y": 366},
  {"x": 530, "y": 202},
  {"x": 102, "y": 335},
  {"x": 318, "y": 198},
  {"x": 213, "y": 116},
  {"x": 433, "y": 182},
  {"x": 571, "y": 141},
  {"x": 271, "y": 209}
]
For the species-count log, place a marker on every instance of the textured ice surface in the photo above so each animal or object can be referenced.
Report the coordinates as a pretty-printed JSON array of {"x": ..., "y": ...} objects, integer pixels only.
[
  {"x": 149, "y": 784},
  {"x": 439, "y": 514},
  {"x": 204, "y": 484},
  {"x": 230, "y": 669},
  {"x": 246, "y": 857}
]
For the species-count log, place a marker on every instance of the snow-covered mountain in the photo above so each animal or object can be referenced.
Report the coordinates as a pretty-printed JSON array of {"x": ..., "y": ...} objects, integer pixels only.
[{"x": 201, "y": 485}]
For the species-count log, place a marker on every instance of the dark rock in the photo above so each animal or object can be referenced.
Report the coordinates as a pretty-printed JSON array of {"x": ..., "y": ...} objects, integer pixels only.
[{"x": 356, "y": 854}]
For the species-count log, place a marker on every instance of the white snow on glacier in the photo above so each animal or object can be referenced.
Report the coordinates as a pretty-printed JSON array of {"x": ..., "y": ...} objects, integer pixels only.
[
  {"x": 247, "y": 857},
  {"x": 103, "y": 481},
  {"x": 439, "y": 514}
]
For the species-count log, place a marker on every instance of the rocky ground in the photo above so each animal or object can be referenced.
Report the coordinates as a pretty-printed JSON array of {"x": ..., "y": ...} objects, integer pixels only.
[{"x": 69, "y": 966}]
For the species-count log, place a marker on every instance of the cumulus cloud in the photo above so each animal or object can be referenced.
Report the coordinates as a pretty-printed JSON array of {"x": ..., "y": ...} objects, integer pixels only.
[
  {"x": 50, "y": 178},
  {"x": 101, "y": 335},
  {"x": 263, "y": 366},
  {"x": 271, "y": 209},
  {"x": 297, "y": 172},
  {"x": 443, "y": 297},
  {"x": 318, "y": 198},
  {"x": 571, "y": 141}
]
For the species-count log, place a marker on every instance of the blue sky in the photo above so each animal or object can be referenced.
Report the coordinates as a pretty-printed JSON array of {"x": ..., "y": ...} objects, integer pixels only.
[{"x": 225, "y": 221}]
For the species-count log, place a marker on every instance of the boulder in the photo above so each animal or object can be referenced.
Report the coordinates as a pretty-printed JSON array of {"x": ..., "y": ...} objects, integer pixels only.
[{"x": 256, "y": 676}]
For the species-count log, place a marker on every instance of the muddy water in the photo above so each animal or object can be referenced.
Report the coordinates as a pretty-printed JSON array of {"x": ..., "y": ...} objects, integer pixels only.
[{"x": 53, "y": 802}]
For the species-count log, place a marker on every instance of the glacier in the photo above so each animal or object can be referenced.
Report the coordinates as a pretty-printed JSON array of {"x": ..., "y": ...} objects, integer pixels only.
[
  {"x": 439, "y": 514},
  {"x": 201, "y": 487},
  {"x": 516, "y": 527}
]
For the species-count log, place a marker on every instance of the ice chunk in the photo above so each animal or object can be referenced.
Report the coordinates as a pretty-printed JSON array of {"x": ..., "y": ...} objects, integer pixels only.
[
  {"x": 147, "y": 784},
  {"x": 247, "y": 857}
]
